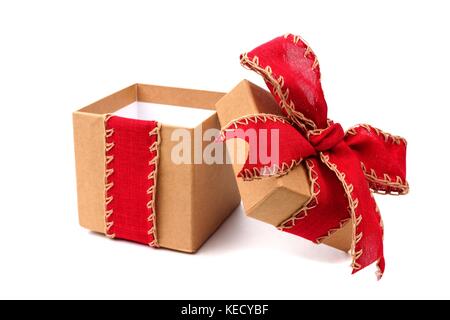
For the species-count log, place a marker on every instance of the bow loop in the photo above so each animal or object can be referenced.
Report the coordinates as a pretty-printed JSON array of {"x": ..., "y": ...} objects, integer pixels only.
[
  {"x": 291, "y": 71},
  {"x": 326, "y": 139}
]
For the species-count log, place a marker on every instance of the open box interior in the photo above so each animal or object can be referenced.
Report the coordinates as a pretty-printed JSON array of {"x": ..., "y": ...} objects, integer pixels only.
[{"x": 175, "y": 116}]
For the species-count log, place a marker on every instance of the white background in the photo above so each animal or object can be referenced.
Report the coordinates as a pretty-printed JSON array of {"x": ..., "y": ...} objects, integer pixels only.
[{"x": 384, "y": 63}]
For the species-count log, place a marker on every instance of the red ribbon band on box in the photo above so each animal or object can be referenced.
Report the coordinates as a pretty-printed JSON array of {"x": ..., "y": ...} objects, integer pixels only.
[
  {"x": 344, "y": 167},
  {"x": 131, "y": 156}
]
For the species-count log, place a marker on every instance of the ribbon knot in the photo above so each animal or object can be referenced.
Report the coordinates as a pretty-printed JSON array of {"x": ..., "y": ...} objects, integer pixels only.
[
  {"x": 326, "y": 139},
  {"x": 343, "y": 168}
]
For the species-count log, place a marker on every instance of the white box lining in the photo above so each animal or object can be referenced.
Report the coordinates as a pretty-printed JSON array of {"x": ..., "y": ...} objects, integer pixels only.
[{"x": 177, "y": 116}]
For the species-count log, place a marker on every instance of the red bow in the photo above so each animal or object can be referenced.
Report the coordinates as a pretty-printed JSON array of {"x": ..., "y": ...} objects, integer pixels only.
[{"x": 343, "y": 167}]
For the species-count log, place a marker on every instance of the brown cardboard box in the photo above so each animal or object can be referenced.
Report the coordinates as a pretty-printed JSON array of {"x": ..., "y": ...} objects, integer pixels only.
[
  {"x": 273, "y": 199},
  {"x": 192, "y": 199}
]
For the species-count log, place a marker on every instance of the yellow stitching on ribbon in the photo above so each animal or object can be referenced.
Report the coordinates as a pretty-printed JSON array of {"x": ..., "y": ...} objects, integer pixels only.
[
  {"x": 152, "y": 189},
  {"x": 108, "y": 183},
  {"x": 401, "y": 187}
]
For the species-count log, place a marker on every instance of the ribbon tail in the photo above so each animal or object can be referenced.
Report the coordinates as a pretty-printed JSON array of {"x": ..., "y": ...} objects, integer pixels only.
[
  {"x": 367, "y": 228},
  {"x": 381, "y": 265},
  {"x": 382, "y": 156}
]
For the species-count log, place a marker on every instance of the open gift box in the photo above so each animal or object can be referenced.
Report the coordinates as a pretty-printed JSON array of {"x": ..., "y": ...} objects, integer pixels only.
[{"x": 129, "y": 185}]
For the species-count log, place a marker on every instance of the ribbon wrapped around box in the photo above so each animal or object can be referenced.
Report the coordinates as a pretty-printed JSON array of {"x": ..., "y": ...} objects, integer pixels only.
[
  {"x": 319, "y": 187},
  {"x": 130, "y": 188}
]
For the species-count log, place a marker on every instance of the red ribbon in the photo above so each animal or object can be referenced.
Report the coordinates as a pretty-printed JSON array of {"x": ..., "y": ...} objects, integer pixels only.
[
  {"x": 131, "y": 156},
  {"x": 344, "y": 167}
]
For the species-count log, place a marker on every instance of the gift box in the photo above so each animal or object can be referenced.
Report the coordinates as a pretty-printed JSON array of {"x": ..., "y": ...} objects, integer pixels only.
[
  {"x": 276, "y": 199},
  {"x": 140, "y": 171}
]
